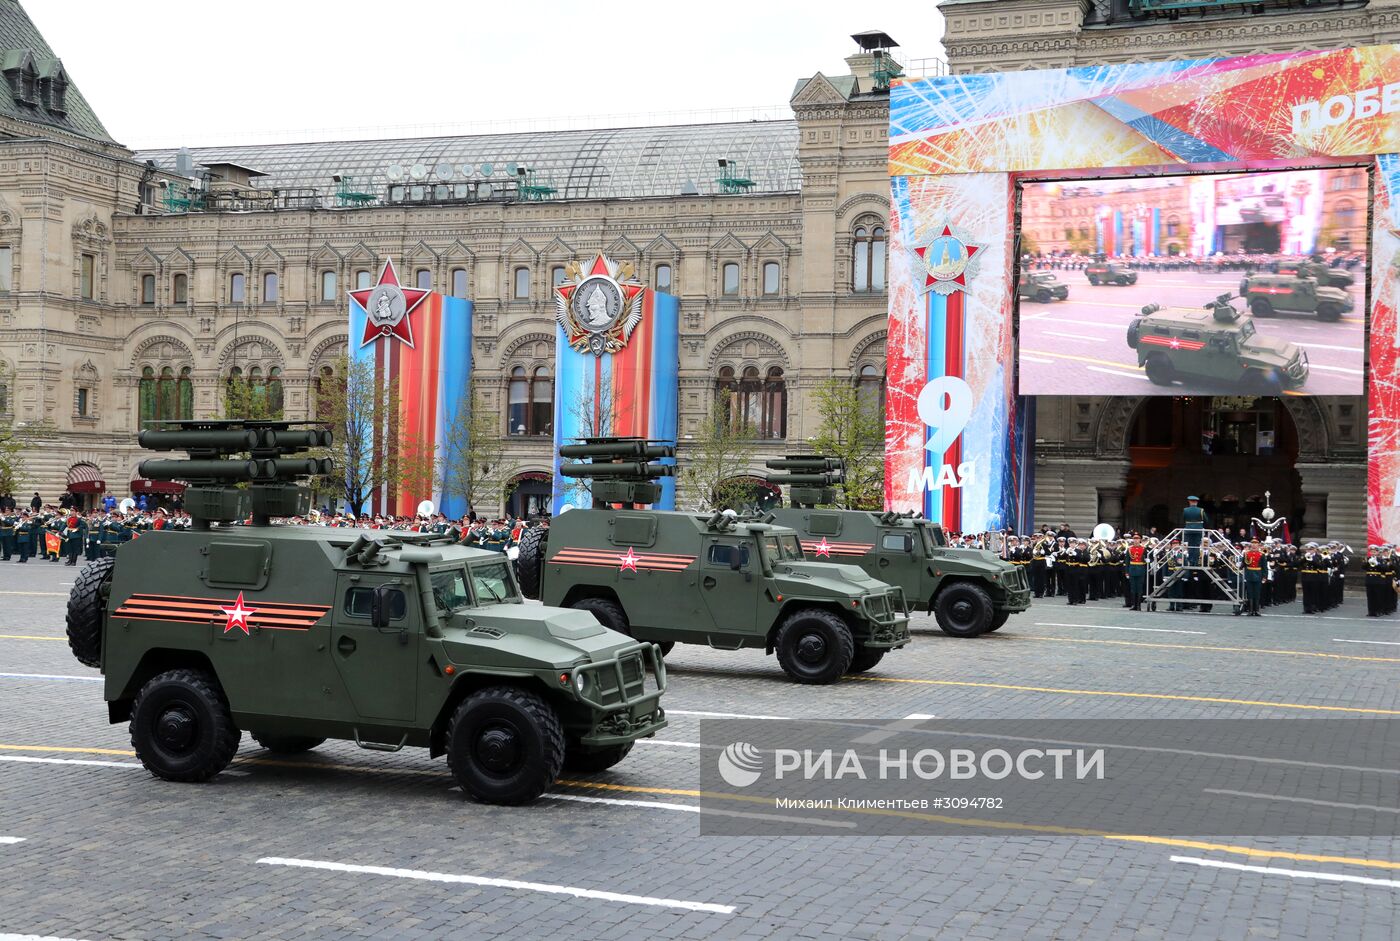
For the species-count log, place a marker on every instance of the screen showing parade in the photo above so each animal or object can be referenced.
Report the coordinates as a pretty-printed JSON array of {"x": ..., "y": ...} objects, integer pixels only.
[{"x": 1208, "y": 284}]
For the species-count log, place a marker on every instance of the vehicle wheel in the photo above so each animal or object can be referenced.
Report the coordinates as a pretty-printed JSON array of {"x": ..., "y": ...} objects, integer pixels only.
[
  {"x": 1133, "y": 329},
  {"x": 815, "y": 646},
  {"x": 963, "y": 610},
  {"x": 666, "y": 647},
  {"x": 1260, "y": 307},
  {"x": 592, "y": 760},
  {"x": 1329, "y": 313},
  {"x": 608, "y": 613},
  {"x": 505, "y": 745},
  {"x": 865, "y": 659},
  {"x": 529, "y": 560},
  {"x": 286, "y": 744},
  {"x": 1094, "y": 281},
  {"x": 998, "y": 619},
  {"x": 1159, "y": 370},
  {"x": 181, "y": 726},
  {"x": 87, "y": 605},
  {"x": 1266, "y": 381},
  {"x": 1042, "y": 296}
]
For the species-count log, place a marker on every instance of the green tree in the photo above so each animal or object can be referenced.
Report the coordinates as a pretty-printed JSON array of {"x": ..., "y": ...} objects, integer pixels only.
[
  {"x": 253, "y": 399},
  {"x": 852, "y": 427},
  {"x": 593, "y": 408},
  {"x": 353, "y": 404},
  {"x": 474, "y": 463},
  {"x": 17, "y": 439},
  {"x": 715, "y": 462}
]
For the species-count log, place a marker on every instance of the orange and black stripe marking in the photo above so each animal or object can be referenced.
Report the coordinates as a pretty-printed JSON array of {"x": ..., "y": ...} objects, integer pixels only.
[
  {"x": 624, "y": 560},
  {"x": 817, "y": 549},
  {"x": 273, "y": 616}
]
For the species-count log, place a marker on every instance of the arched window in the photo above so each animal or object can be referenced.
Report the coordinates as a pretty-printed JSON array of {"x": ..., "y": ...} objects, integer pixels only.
[
  {"x": 459, "y": 282},
  {"x": 253, "y": 394},
  {"x": 556, "y": 276},
  {"x": 1346, "y": 213},
  {"x": 530, "y": 402},
  {"x": 870, "y": 388},
  {"x": 165, "y": 396},
  {"x": 237, "y": 288},
  {"x": 868, "y": 271},
  {"x": 269, "y": 287},
  {"x": 423, "y": 279},
  {"x": 773, "y": 418},
  {"x": 755, "y": 406},
  {"x": 661, "y": 280},
  {"x": 327, "y": 285},
  {"x": 148, "y": 289},
  {"x": 362, "y": 279},
  {"x": 771, "y": 277},
  {"x": 522, "y": 284},
  {"x": 729, "y": 281},
  {"x": 180, "y": 289},
  {"x": 1173, "y": 226},
  {"x": 328, "y": 390}
]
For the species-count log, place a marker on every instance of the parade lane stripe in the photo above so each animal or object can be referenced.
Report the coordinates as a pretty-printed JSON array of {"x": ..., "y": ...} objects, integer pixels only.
[
  {"x": 695, "y": 809},
  {"x": 489, "y": 882},
  {"x": 1255, "y": 795},
  {"x": 1292, "y": 873},
  {"x": 50, "y": 676},
  {"x": 32, "y": 937},
  {"x": 85, "y": 762},
  {"x": 29, "y": 637},
  {"x": 46, "y": 594},
  {"x": 69, "y": 750},
  {"x": 1114, "y": 627},
  {"x": 1213, "y": 649},
  {"x": 1381, "y": 643},
  {"x": 10, "y": 840},
  {"x": 1127, "y": 695}
]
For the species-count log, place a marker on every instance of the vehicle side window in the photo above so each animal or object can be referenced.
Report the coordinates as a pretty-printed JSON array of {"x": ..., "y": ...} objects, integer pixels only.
[
  {"x": 492, "y": 583},
  {"x": 357, "y": 603},
  {"x": 722, "y": 556},
  {"x": 896, "y": 542}
]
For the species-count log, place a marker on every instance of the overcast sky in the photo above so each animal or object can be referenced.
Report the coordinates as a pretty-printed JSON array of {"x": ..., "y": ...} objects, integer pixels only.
[{"x": 171, "y": 72}]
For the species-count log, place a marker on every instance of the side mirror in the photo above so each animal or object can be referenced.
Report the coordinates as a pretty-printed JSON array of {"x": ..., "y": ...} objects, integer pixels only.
[
  {"x": 736, "y": 559},
  {"x": 379, "y": 607}
]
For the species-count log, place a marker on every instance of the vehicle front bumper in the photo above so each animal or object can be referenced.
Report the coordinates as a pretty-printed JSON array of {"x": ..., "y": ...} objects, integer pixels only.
[
  {"x": 616, "y": 691},
  {"x": 1017, "y": 588},
  {"x": 887, "y": 619}
]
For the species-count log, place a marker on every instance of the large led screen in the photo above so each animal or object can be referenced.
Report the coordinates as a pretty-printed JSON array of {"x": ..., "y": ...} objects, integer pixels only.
[{"x": 1207, "y": 284}]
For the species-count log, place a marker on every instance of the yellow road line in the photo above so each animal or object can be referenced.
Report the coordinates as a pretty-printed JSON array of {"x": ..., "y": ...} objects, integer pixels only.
[
  {"x": 1265, "y": 650},
  {"x": 1127, "y": 695},
  {"x": 29, "y": 637},
  {"x": 78, "y": 751}
]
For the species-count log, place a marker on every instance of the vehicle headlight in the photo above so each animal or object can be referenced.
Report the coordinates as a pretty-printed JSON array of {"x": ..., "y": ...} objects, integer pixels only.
[{"x": 580, "y": 681}]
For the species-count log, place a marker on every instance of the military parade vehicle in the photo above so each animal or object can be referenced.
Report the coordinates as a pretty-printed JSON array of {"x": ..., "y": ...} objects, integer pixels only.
[
  {"x": 1041, "y": 287},
  {"x": 1321, "y": 272},
  {"x": 715, "y": 579},
  {"x": 1269, "y": 294},
  {"x": 969, "y": 591},
  {"x": 1214, "y": 343},
  {"x": 299, "y": 634},
  {"x": 1110, "y": 272}
]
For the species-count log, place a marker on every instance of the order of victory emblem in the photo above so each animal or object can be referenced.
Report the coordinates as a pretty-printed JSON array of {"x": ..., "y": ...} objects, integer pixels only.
[
  {"x": 598, "y": 308},
  {"x": 947, "y": 261}
]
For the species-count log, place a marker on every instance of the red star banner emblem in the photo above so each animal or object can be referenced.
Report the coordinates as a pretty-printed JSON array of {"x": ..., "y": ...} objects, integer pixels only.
[
  {"x": 628, "y": 562},
  {"x": 237, "y": 615},
  {"x": 822, "y": 548},
  {"x": 388, "y": 306}
]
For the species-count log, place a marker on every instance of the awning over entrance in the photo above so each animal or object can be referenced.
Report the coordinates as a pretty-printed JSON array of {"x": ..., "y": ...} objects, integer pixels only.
[
  {"x": 85, "y": 478},
  {"x": 142, "y": 485}
]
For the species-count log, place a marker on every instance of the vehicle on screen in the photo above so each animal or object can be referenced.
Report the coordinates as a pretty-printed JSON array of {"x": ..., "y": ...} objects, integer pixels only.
[
  {"x": 1324, "y": 274},
  {"x": 1110, "y": 272},
  {"x": 1269, "y": 294},
  {"x": 1041, "y": 287},
  {"x": 1216, "y": 343},
  {"x": 297, "y": 634}
]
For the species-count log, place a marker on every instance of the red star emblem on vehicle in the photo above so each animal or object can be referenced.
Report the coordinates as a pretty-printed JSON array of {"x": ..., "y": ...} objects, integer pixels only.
[
  {"x": 1175, "y": 344},
  {"x": 387, "y": 306},
  {"x": 628, "y": 562},
  {"x": 237, "y": 615},
  {"x": 822, "y": 548}
]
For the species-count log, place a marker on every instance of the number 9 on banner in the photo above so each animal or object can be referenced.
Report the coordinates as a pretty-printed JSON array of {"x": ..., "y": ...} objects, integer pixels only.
[{"x": 945, "y": 405}]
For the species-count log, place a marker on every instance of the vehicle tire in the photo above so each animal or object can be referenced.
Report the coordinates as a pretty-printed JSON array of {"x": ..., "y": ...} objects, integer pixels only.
[
  {"x": 1260, "y": 307},
  {"x": 286, "y": 744},
  {"x": 608, "y": 613},
  {"x": 1159, "y": 370},
  {"x": 1042, "y": 296},
  {"x": 1266, "y": 382},
  {"x": 963, "y": 610},
  {"x": 87, "y": 606},
  {"x": 998, "y": 619},
  {"x": 505, "y": 745},
  {"x": 865, "y": 659},
  {"x": 666, "y": 647},
  {"x": 1133, "y": 329},
  {"x": 593, "y": 760},
  {"x": 1329, "y": 313},
  {"x": 529, "y": 560},
  {"x": 181, "y": 726},
  {"x": 814, "y": 646},
  {"x": 1094, "y": 281}
]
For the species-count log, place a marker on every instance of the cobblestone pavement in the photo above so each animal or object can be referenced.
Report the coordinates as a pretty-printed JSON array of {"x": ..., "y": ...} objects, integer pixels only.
[{"x": 93, "y": 847}]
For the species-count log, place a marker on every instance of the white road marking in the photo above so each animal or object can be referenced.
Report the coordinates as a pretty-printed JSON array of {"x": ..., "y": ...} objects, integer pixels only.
[
  {"x": 1118, "y": 372},
  {"x": 894, "y": 728},
  {"x": 1076, "y": 336},
  {"x": 515, "y": 884},
  {"x": 1341, "y": 369},
  {"x": 31, "y": 937},
  {"x": 10, "y": 840},
  {"x": 695, "y": 809},
  {"x": 1344, "y": 349},
  {"x": 51, "y": 594},
  {"x": 88, "y": 762},
  {"x": 1320, "y": 617},
  {"x": 672, "y": 743},
  {"x": 1032, "y": 359},
  {"x": 1380, "y": 643},
  {"x": 49, "y": 676},
  {"x": 1111, "y": 627},
  {"x": 719, "y": 715},
  {"x": 1302, "y": 800},
  {"x": 1292, "y": 873}
]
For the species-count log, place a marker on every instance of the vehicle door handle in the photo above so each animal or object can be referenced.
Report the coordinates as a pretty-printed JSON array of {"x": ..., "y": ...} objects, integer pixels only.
[
  {"x": 346, "y": 645},
  {"x": 708, "y": 581},
  {"x": 884, "y": 562}
]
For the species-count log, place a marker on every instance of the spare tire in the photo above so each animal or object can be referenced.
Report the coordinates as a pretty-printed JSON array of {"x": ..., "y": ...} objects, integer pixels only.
[
  {"x": 87, "y": 606},
  {"x": 529, "y": 561},
  {"x": 1133, "y": 331}
]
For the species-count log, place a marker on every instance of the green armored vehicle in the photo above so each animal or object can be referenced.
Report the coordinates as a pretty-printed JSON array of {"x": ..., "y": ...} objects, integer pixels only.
[
  {"x": 1110, "y": 272},
  {"x": 1041, "y": 287},
  {"x": 674, "y": 577},
  {"x": 969, "y": 591},
  {"x": 1214, "y": 343},
  {"x": 1269, "y": 294},
  {"x": 1321, "y": 272},
  {"x": 299, "y": 634}
]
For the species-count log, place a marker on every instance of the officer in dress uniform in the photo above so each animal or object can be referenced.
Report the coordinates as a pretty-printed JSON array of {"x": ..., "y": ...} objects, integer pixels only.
[
  {"x": 1037, "y": 568},
  {"x": 1137, "y": 572},
  {"x": 1176, "y": 558},
  {"x": 55, "y": 525},
  {"x": 24, "y": 535},
  {"x": 1388, "y": 555},
  {"x": 74, "y": 534},
  {"x": 1193, "y": 520},
  {"x": 7, "y": 534},
  {"x": 94, "y": 537},
  {"x": 1253, "y": 578},
  {"x": 1077, "y": 571},
  {"x": 1380, "y": 574},
  {"x": 1313, "y": 573}
]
